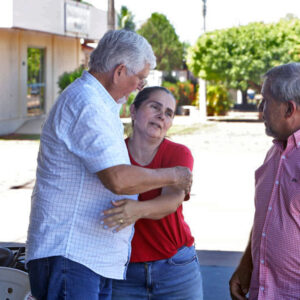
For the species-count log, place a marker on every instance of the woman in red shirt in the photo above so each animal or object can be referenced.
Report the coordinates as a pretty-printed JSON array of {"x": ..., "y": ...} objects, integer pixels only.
[{"x": 163, "y": 262}]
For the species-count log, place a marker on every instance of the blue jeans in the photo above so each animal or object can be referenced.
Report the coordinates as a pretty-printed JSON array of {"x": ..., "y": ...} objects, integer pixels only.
[
  {"x": 57, "y": 278},
  {"x": 176, "y": 278}
]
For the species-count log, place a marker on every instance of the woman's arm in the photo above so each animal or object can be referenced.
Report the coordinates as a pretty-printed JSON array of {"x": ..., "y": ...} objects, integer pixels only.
[{"x": 127, "y": 211}]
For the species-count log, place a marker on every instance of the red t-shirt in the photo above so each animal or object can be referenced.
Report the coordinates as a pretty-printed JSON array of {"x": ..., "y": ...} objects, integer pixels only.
[{"x": 160, "y": 239}]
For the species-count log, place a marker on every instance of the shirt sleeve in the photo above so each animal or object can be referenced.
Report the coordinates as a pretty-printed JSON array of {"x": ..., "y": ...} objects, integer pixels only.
[{"x": 95, "y": 135}]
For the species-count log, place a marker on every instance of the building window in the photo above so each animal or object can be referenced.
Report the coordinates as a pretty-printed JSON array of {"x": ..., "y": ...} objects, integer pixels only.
[{"x": 35, "y": 81}]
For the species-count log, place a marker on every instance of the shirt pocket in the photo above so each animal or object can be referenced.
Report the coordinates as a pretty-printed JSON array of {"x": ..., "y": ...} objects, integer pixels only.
[{"x": 291, "y": 192}]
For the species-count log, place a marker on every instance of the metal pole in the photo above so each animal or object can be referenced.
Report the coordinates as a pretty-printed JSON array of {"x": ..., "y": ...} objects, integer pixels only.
[
  {"x": 204, "y": 15},
  {"x": 111, "y": 15},
  {"x": 202, "y": 82}
]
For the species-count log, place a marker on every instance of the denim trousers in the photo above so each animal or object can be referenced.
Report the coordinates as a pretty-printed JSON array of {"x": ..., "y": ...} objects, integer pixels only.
[
  {"x": 58, "y": 278},
  {"x": 176, "y": 278}
]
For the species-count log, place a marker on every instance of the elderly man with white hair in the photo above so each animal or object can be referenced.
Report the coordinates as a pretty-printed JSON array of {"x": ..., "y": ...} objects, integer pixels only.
[
  {"x": 270, "y": 266},
  {"x": 83, "y": 166}
]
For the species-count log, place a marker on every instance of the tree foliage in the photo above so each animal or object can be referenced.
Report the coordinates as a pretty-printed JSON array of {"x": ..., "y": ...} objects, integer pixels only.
[
  {"x": 164, "y": 41},
  {"x": 68, "y": 77},
  {"x": 35, "y": 57},
  {"x": 126, "y": 19},
  {"x": 239, "y": 56}
]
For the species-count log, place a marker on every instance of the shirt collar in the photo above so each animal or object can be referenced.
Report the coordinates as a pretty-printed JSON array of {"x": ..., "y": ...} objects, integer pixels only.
[
  {"x": 108, "y": 99},
  {"x": 292, "y": 141},
  {"x": 296, "y": 136}
]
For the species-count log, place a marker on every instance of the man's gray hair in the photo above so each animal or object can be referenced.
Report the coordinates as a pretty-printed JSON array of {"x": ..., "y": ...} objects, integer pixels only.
[
  {"x": 122, "y": 47},
  {"x": 283, "y": 82}
]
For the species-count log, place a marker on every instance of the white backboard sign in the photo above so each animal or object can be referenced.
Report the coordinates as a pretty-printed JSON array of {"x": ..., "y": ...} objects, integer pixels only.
[{"x": 76, "y": 18}]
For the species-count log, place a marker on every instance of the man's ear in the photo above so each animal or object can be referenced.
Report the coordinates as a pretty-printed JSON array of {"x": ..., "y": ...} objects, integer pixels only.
[
  {"x": 290, "y": 108},
  {"x": 118, "y": 72}
]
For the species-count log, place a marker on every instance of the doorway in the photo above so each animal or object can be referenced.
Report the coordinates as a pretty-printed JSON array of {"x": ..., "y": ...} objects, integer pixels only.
[{"x": 35, "y": 81}]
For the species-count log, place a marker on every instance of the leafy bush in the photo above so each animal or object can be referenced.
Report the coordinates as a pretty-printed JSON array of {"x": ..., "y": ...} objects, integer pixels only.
[
  {"x": 173, "y": 88},
  {"x": 68, "y": 77},
  {"x": 184, "y": 92},
  {"x": 170, "y": 78},
  {"x": 125, "y": 109},
  {"x": 217, "y": 100}
]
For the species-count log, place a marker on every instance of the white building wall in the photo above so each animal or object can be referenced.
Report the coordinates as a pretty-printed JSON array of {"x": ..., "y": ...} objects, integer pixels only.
[
  {"x": 66, "y": 57},
  {"x": 98, "y": 23},
  {"x": 49, "y": 16},
  {"x": 61, "y": 54},
  {"x": 45, "y": 15},
  {"x": 39, "y": 24},
  {"x": 6, "y": 13},
  {"x": 9, "y": 74}
]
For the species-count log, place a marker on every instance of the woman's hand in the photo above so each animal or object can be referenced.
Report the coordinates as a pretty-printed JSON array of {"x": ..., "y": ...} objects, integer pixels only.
[{"x": 124, "y": 213}]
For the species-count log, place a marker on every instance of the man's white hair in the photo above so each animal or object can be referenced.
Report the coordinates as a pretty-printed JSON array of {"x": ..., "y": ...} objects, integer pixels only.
[{"x": 122, "y": 47}]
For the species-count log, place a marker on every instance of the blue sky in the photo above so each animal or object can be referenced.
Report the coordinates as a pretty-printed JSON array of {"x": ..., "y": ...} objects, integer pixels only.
[{"x": 186, "y": 15}]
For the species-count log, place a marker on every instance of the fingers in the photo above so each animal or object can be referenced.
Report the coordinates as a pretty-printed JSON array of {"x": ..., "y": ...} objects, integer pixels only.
[
  {"x": 185, "y": 179},
  {"x": 118, "y": 202},
  {"x": 115, "y": 217},
  {"x": 188, "y": 189},
  {"x": 120, "y": 216},
  {"x": 118, "y": 222},
  {"x": 236, "y": 291},
  {"x": 112, "y": 211},
  {"x": 119, "y": 228}
]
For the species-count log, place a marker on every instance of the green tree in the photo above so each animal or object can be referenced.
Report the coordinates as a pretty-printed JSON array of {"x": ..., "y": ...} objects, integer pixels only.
[
  {"x": 164, "y": 41},
  {"x": 68, "y": 77},
  {"x": 34, "y": 61},
  {"x": 237, "y": 57},
  {"x": 125, "y": 19}
]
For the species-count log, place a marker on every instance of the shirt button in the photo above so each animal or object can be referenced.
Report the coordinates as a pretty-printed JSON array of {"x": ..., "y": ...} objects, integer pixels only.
[
  {"x": 270, "y": 208},
  {"x": 262, "y": 288},
  {"x": 277, "y": 182},
  {"x": 283, "y": 157},
  {"x": 263, "y": 234},
  {"x": 262, "y": 261}
]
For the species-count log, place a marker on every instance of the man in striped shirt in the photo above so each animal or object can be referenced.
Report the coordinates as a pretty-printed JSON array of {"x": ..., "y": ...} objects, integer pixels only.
[{"x": 270, "y": 266}]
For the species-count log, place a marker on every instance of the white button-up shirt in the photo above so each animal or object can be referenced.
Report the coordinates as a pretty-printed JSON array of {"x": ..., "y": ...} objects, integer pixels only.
[{"x": 82, "y": 135}]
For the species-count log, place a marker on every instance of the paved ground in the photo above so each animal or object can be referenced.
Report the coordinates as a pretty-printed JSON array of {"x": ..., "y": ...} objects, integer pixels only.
[{"x": 220, "y": 211}]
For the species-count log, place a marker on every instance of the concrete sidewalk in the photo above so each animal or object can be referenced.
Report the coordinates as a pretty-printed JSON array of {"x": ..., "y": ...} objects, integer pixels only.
[{"x": 34, "y": 125}]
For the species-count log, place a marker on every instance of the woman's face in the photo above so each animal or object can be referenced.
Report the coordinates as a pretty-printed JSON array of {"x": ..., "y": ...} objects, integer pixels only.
[{"x": 155, "y": 115}]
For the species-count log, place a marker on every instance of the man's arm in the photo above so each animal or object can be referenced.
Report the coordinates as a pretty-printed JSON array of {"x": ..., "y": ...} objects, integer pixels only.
[
  {"x": 240, "y": 281},
  {"x": 130, "y": 180},
  {"x": 129, "y": 211}
]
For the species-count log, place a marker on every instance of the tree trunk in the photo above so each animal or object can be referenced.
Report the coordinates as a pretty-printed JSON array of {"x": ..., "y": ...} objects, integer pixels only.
[
  {"x": 111, "y": 15},
  {"x": 244, "y": 98}
]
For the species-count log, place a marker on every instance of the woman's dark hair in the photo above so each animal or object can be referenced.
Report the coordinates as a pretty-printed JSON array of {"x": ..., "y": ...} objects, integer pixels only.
[{"x": 145, "y": 93}]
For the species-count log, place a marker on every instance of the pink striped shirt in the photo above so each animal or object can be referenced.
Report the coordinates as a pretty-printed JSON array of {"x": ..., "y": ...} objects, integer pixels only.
[{"x": 276, "y": 230}]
